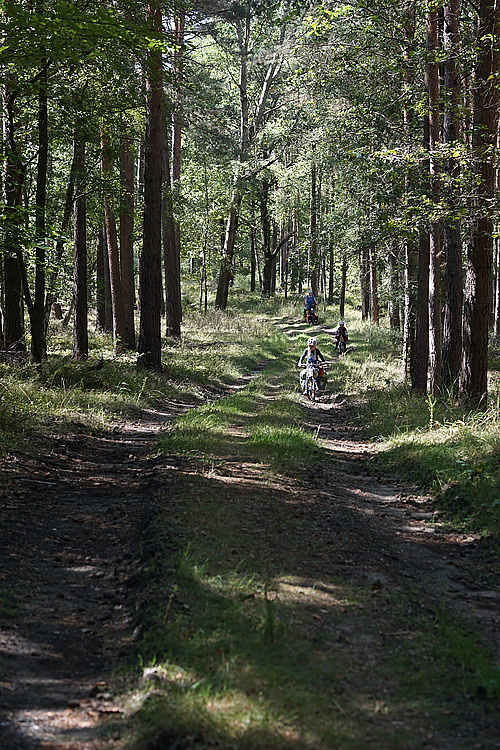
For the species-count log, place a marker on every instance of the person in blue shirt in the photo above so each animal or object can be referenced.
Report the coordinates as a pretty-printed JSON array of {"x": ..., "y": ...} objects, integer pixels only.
[{"x": 310, "y": 303}]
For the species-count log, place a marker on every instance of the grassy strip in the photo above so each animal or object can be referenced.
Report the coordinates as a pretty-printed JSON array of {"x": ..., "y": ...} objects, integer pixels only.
[
  {"x": 217, "y": 349},
  {"x": 245, "y": 647},
  {"x": 445, "y": 448}
]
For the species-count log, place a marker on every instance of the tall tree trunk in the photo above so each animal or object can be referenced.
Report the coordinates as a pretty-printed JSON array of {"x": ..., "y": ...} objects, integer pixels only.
[
  {"x": 68, "y": 212},
  {"x": 452, "y": 326},
  {"x": 432, "y": 85},
  {"x": 374, "y": 304},
  {"x": 150, "y": 263},
  {"x": 411, "y": 310},
  {"x": 253, "y": 247},
  {"x": 313, "y": 246},
  {"x": 112, "y": 243},
  {"x": 473, "y": 381},
  {"x": 343, "y": 285},
  {"x": 265, "y": 227},
  {"x": 127, "y": 240},
  {"x": 80, "y": 331},
  {"x": 419, "y": 361},
  {"x": 103, "y": 296},
  {"x": 38, "y": 330},
  {"x": 226, "y": 270},
  {"x": 496, "y": 305},
  {"x": 171, "y": 256},
  {"x": 394, "y": 317},
  {"x": 364, "y": 282},
  {"x": 173, "y": 297},
  {"x": 13, "y": 181}
]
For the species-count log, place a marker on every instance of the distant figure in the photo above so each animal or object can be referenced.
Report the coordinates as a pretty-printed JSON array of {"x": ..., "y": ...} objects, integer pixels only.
[
  {"x": 310, "y": 303},
  {"x": 341, "y": 335}
]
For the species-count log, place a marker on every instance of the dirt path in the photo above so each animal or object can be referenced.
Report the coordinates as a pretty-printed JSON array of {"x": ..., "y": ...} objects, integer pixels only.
[{"x": 70, "y": 525}]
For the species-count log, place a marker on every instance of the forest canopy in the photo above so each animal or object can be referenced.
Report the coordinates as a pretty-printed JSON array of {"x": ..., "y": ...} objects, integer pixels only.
[{"x": 277, "y": 147}]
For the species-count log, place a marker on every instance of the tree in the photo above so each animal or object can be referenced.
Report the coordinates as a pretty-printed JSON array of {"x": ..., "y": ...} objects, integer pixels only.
[
  {"x": 452, "y": 246},
  {"x": 150, "y": 263},
  {"x": 241, "y": 22},
  {"x": 477, "y": 303}
]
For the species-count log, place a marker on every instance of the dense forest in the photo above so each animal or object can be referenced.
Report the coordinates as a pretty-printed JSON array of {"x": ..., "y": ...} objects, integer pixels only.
[{"x": 275, "y": 146}]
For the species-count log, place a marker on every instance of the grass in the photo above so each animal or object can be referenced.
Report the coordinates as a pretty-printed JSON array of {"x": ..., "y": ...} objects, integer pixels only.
[{"x": 240, "y": 644}]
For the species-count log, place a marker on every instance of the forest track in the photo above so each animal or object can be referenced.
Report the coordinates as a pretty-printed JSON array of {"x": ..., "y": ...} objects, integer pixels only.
[
  {"x": 71, "y": 520},
  {"x": 71, "y": 524}
]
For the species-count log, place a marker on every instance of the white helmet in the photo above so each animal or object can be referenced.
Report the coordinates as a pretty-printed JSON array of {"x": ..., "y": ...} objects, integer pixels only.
[{"x": 312, "y": 342}]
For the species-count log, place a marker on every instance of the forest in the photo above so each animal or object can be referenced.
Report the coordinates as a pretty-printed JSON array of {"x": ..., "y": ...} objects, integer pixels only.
[
  {"x": 262, "y": 145},
  {"x": 193, "y": 555}
]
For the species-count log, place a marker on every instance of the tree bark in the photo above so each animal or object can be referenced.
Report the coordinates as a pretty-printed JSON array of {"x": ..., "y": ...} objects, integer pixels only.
[
  {"x": 374, "y": 304},
  {"x": 173, "y": 297},
  {"x": 452, "y": 325},
  {"x": 80, "y": 330},
  {"x": 13, "y": 181},
  {"x": 432, "y": 85},
  {"x": 150, "y": 264},
  {"x": 343, "y": 285},
  {"x": 127, "y": 240},
  {"x": 474, "y": 374},
  {"x": 419, "y": 360},
  {"x": 394, "y": 316},
  {"x": 37, "y": 321},
  {"x": 364, "y": 282},
  {"x": 313, "y": 246},
  {"x": 112, "y": 243}
]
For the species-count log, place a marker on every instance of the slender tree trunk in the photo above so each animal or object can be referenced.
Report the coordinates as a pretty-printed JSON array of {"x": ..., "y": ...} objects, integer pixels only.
[
  {"x": 13, "y": 181},
  {"x": 343, "y": 285},
  {"x": 420, "y": 358},
  {"x": 452, "y": 326},
  {"x": 80, "y": 331},
  {"x": 101, "y": 281},
  {"x": 150, "y": 263},
  {"x": 38, "y": 338},
  {"x": 265, "y": 226},
  {"x": 432, "y": 85},
  {"x": 313, "y": 246},
  {"x": 411, "y": 310},
  {"x": 364, "y": 279},
  {"x": 473, "y": 382},
  {"x": 226, "y": 270},
  {"x": 253, "y": 248},
  {"x": 496, "y": 307},
  {"x": 374, "y": 308},
  {"x": 394, "y": 317},
  {"x": 68, "y": 212},
  {"x": 113, "y": 251},
  {"x": 173, "y": 297},
  {"x": 171, "y": 256},
  {"x": 127, "y": 241}
]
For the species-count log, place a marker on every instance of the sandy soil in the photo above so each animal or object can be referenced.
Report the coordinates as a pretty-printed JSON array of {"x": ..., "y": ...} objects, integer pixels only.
[{"x": 71, "y": 518}]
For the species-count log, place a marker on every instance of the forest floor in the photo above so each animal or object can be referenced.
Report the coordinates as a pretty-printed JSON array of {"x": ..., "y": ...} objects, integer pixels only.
[{"x": 72, "y": 516}]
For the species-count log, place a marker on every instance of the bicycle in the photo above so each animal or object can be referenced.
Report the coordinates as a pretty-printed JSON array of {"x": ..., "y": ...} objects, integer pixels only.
[
  {"x": 310, "y": 385},
  {"x": 341, "y": 345}
]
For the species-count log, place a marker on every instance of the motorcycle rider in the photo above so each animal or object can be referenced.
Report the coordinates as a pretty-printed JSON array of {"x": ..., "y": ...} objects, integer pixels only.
[{"x": 312, "y": 353}]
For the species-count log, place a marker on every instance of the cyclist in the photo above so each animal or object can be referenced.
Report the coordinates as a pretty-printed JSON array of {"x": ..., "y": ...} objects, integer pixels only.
[
  {"x": 341, "y": 332},
  {"x": 310, "y": 303},
  {"x": 312, "y": 354}
]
